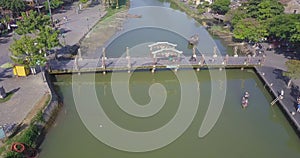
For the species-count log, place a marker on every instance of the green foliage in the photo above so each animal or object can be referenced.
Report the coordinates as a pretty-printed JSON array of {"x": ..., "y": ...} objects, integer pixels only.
[
  {"x": 293, "y": 69},
  {"x": 286, "y": 26},
  {"x": 16, "y": 6},
  {"x": 47, "y": 39},
  {"x": 28, "y": 51},
  {"x": 296, "y": 35},
  {"x": 249, "y": 29},
  {"x": 12, "y": 154},
  {"x": 53, "y": 4},
  {"x": 235, "y": 15},
  {"x": 32, "y": 23},
  {"x": 9, "y": 95},
  {"x": 31, "y": 51},
  {"x": 263, "y": 9},
  {"x": 83, "y": 1},
  {"x": 38, "y": 117},
  {"x": 28, "y": 137},
  {"x": 23, "y": 50},
  {"x": 221, "y": 6},
  {"x": 268, "y": 9},
  {"x": 203, "y": 7}
]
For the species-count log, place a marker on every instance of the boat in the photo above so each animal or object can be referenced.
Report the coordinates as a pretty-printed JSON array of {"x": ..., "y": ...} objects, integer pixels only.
[{"x": 245, "y": 101}]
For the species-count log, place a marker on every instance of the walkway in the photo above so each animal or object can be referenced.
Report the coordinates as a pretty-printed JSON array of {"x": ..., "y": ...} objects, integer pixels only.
[
  {"x": 27, "y": 92},
  {"x": 272, "y": 70}
]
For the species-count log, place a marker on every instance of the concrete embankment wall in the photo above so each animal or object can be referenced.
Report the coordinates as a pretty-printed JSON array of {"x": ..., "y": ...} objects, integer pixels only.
[{"x": 50, "y": 111}]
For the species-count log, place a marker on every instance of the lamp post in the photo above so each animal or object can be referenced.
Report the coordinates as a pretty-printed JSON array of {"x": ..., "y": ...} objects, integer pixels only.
[
  {"x": 48, "y": 1},
  {"x": 87, "y": 23}
]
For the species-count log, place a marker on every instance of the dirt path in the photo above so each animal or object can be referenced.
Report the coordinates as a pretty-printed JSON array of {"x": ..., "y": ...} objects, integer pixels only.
[
  {"x": 37, "y": 107},
  {"x": 101, "y": 33}
]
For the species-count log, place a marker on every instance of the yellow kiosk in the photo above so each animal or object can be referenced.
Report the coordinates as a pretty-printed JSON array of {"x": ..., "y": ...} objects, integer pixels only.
[{"x": 21, "y": 70}]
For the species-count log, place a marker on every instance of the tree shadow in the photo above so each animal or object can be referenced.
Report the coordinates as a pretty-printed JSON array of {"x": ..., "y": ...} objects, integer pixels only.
[
  {"x": 64, "y": 8},
  {"x": 288, "y": 52},
  {"x": 14, "y": 90},
  {"x": 4, "y": 41},
  {"x": 279, "y": 75},
  {"x": 63, "y": 30},
  {"x": 6, "y": 73}
]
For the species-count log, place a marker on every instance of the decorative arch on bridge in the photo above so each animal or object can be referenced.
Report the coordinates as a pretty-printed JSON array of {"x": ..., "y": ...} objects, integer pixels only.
[{"x": 164, "y": 51}]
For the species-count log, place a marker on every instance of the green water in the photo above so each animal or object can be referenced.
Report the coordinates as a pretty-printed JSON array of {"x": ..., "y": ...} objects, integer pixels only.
[{"x": 258, "y": 131}]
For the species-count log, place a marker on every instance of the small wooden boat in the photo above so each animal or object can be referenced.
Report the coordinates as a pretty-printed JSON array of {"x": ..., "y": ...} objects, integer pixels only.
[{"x": 245, "y": 101}]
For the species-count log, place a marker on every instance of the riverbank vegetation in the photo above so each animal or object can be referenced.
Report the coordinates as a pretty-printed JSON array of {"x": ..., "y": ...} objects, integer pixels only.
[{"x": 256, "y": 20}]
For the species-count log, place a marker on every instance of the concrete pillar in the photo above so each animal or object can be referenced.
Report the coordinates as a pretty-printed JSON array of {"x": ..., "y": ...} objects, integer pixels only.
[
  {"x": 235, "y": 51},
  {"x": 215, "y": 52}
]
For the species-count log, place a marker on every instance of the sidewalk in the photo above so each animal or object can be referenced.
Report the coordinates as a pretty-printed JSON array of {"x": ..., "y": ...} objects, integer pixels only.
[
  {"x": 77, "y": 25},
  {"x": 271, "y": 72}
]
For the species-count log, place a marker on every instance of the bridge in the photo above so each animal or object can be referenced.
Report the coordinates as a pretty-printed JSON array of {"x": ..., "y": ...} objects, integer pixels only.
[{"x": 163, "y": 55}]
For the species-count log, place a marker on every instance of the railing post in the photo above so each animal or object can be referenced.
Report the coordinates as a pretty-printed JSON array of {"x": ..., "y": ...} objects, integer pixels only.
[
  {"x": 128, "y": 58},
  {"x": 235, "y": 51},
  {"x": 215, "y": 52},
  {"x": 103, "y": 60}
]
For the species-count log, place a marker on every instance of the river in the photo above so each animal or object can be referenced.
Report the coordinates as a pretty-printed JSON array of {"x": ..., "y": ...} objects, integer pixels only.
[{"x": 257, "y": 131}]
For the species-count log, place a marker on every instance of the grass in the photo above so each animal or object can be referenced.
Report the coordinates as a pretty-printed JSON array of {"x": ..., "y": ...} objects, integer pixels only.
[
  {"x": 7, "y": 98},
  {"x": 6, "y": 65}
]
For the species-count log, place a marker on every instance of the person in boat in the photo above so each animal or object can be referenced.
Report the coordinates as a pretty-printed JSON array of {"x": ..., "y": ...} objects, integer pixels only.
[
  {"x": 246, "y": 95},
  {"x": 244, "y": 102}
]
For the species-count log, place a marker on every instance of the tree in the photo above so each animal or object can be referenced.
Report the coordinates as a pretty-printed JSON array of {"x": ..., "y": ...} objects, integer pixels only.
[
  {"x": 263, "y": 9},
  {"x": 32, "y": 22},
  {"x": 249, "y": 29},
  {"x": 16, "y": 6},
  {"x": 203, "y": 7},
  {"x": 293, "y": 70},
  {"x": 235, "y": 15},
  {"x": 221, "y": 6},
  {"x": 24, "y": 51},
  {"x": 47, "y": 39},
  {"x": 269, "y": 9},
  {"x": 53, "y": 4},
  {"x": 286, "y": 27},
  {"x": 252, "y": 7},
  {"x": 296, "y": 35}
]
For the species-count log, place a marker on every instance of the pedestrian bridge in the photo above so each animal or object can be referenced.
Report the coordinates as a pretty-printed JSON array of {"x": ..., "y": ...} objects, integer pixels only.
[{"x": 162, "y": 55}]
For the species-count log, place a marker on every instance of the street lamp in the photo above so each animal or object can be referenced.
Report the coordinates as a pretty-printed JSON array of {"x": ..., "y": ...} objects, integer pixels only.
[
  {"x": 87, "y": 23},
  {"x": 50, "y": 12},
  {"x": 63, "y": 36}
]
